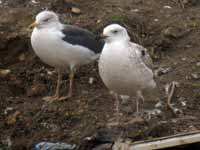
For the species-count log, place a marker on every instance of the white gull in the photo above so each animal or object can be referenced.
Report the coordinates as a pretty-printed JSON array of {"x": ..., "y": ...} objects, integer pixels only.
[{"x": 63, "y": 47}]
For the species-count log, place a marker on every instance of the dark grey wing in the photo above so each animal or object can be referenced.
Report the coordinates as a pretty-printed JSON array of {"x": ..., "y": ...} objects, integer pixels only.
[
  {"x": 79, "y": 36},
  {"x": 146, "y": 58}
]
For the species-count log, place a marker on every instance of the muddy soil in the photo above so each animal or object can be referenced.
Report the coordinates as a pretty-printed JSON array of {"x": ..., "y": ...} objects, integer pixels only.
[{"x": 170, "y": 30}]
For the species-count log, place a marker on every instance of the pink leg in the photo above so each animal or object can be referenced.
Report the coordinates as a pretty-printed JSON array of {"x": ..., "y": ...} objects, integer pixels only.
[
  {"x": 138, "y": 97},
  {"x": 117, "y": 107}
]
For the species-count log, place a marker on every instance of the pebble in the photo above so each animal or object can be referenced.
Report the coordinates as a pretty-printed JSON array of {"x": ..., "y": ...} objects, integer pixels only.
[
  {"x": 183, "y": 103},
  {"x": 21, "y": 57},
  {"x": 12, "y": 119},
  {"x": 4, "y": 72},
  {"x": 167, "y": 7},
  {"x": 169, "y": 32},
  {"x": 135, "y": 10},
  {"x": 198, "y": 64},
  {"x": 195, "y": 75},
  {"x": 7, "y": 110},
  {"x": 156, "y": 20},
  {"x": 34, "y": 1},
  {"x": 99, "y": 21},
  {"x": 183, "y": 59},
  {"x": 50, "y": 72},
  {"x": 52, "y": 127},
  {"x": 91, "y": 80},
  {"x": 155, "y": 112},
  {"x": 36, "y": 89},
  {"x": 161, "y": 71},
  {"x": 6, "y": 141},
  {"x": 182, "y": 99},
  {"x": 75, "y": 10},
  {"x": 159, "y": 105}
]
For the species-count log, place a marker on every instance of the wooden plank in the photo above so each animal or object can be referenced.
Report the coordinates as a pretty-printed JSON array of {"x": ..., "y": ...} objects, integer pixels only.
[{"x": 166, "y": 142}]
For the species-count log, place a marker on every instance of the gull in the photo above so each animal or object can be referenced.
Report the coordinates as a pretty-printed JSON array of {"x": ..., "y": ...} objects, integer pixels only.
[
  {"x": 64, "y": 47},
  {"x": 125, "y": 67}
]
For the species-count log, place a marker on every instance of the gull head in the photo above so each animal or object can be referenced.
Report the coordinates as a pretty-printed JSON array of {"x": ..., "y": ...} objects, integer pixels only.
[
  {"x": 115, "y": 32},
  {"x": 45, "y": 19}
]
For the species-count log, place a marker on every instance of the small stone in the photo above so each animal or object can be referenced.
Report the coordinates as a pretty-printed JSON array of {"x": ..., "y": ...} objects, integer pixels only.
[
  {"x": 135, "y": 10},
  {"x": 8, "y": 109},
  {"x": 176, "y": 110},
  {"x": 182, "y": 99},
  {"x": 6, "y": 141},
  {"x": 22, "y": 57},
  {"x": 167, "y": 7},
  {"x": 34, "y": 1},
  {"x": 67, "y": 114},
  {"x": 4, "y": 72},
  {"x": 160, "y": 71},
  {"x": 159, "y": 105},
  {"x": 169, "y": 32},
  {"x": 183, "y": 103},
  {"x": 98, "y": 21},
  {"x": 174, "y": 120},
  {"x": 157, "y": 111},
  {"x": 183, "y": 59},
  {"x": 12, "y": 119},
  {"x": 198, "y": 64},
  {"x": 37, "y": 90},
  {"x": 111, "y": 92},
  {"x": 49, "y": 72},
  {"x": 75, "y": 10},
  {"x": 195, "y": 76},
  {"x": 156, "y": 20},
  {"x": 91, "y": 80}
]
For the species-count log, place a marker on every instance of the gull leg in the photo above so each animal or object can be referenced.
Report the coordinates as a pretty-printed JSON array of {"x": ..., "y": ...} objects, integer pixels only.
[
  {"x": 115, "y": 121},
  {"x": 137, "y": 105},
  {"x": 170, "y": 89},
  {"x": 71, "y": 80},
  {"x": 58, "y": 84},
  {"x": 139, "y": 93},
  {"x": 117, "y": 107},
  {"x": 138, "y": 97},
  {"x": 57, "y": 94}
]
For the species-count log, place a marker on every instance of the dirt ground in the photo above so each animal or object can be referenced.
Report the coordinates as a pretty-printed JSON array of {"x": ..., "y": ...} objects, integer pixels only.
[{"x": 170, "y": 30}]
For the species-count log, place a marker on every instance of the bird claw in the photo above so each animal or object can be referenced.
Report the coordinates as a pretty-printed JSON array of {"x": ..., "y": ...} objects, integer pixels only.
[
  {"x": 51, "y": 99},
  {"x": 113, "y": 122},
  {"x": 64, "y": 98},
  {"x": 170, "y": 89}
]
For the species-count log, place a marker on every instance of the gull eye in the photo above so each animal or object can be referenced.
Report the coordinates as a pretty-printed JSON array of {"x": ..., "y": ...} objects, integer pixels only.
[
  {"x": 115, "y": 31},
  {"x": 46, "y": 20},
  {"x": 143, "y": 52}
]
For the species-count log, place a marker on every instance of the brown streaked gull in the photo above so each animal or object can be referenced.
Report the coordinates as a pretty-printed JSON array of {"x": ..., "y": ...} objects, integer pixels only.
[{"x": 124, "y": 66}]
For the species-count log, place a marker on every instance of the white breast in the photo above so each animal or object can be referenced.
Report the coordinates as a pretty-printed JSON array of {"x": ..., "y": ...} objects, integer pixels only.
[
  {"x": 49, "y": 46},
  {"x": 122, "y": 72}
]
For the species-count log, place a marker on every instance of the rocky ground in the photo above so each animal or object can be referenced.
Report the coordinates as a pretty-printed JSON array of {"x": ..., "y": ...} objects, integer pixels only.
[{"x": 170, "y": 31}]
